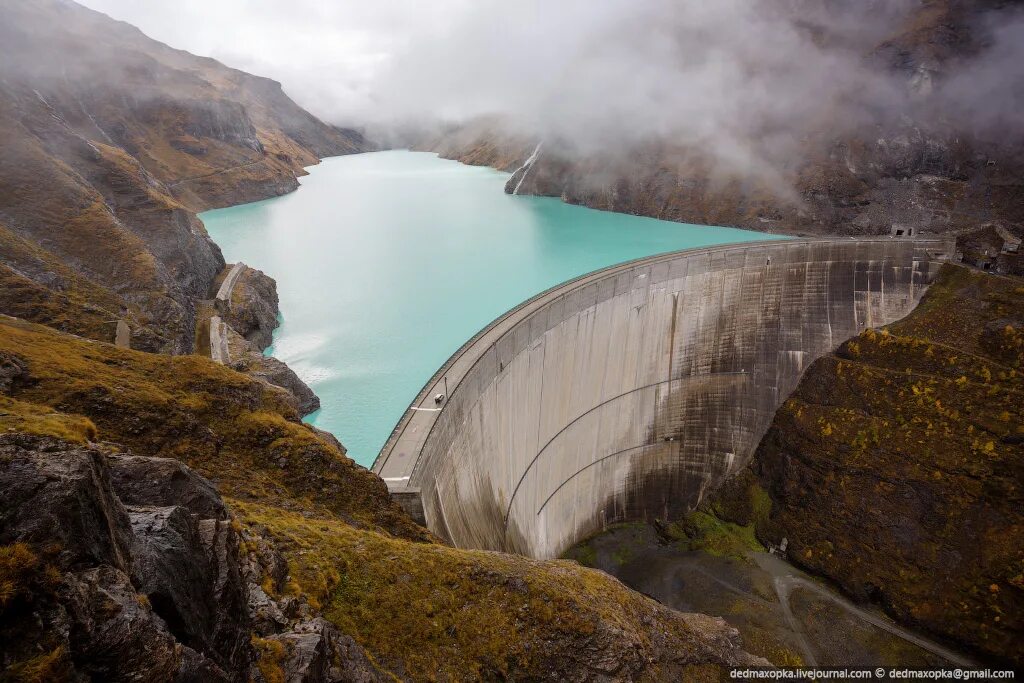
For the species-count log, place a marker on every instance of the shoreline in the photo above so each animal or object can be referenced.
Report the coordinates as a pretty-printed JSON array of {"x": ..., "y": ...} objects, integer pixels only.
[{"x": 606, "y": 238}]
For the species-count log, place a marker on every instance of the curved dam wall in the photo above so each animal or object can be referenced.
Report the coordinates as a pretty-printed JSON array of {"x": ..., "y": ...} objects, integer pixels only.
[{"x": 632, "y": 392}]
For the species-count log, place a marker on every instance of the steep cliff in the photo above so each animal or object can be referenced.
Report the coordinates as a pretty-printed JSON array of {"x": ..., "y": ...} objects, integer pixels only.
[
  {"x": 111, "y": 142},
  {"x": 166, "y": 516},
  {"x": 895, "y": 468},
  {"x": 916, "y": 165}
]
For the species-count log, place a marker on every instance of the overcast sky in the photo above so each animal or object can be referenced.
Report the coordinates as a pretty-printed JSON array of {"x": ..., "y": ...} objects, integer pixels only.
[
  {"x": 743, "y": 80},
  {"x": 328, "y": 55},
  {"x": 392, "y": 59}
]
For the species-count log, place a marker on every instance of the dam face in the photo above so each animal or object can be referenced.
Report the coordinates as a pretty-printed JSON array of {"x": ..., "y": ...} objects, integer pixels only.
[{"x": 632, "y": 392}]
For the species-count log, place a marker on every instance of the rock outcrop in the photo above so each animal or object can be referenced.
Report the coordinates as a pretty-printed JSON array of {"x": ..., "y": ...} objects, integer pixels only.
[
  {"x": 895, "y": 468},
  {"x": 274, "y": 372},
  {"x": 250, "y": 306},
  {"x": 110, "y": 146},
  {"x": 153, "y": 590},
  {"x": 246, "y": 300},
  {"x": 87, "y": 615}
]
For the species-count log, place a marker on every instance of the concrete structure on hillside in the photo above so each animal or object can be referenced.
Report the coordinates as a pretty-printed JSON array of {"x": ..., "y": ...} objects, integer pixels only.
[
  {"x": 122, "y": 335},
  {"x": 219, "y": 350},
  {"x": 632, "y": 392},
  {"x": 223, "y": 298}
]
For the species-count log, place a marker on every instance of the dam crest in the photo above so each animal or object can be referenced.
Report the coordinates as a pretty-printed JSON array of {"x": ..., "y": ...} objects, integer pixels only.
[{"x": 632, "y": 392}]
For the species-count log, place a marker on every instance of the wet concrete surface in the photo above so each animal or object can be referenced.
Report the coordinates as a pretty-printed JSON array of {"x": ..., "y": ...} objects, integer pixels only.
[{"x": 634, "y": 391}]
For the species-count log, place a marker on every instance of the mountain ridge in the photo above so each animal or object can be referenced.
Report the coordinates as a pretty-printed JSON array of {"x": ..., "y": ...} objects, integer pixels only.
[
  {"x": 112, "y": 146},
  {"x": 926, "y": 165}
]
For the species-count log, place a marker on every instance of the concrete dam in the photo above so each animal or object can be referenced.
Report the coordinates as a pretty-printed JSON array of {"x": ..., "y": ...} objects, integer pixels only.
[{"x": 634, "y": 391}]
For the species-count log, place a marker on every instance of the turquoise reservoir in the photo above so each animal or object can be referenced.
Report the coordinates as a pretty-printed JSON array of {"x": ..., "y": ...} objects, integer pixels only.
[{"x": 387, "y": 262}]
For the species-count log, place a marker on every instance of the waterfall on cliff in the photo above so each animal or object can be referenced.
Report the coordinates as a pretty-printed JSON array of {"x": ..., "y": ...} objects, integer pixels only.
[{"x": 525, "y": 168}]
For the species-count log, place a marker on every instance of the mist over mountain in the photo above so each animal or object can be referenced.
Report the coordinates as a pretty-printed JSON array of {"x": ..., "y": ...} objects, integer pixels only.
[
  {"x": 740, "y": 80},
  {"x": 742, "y": 83},
  {"x": 822, "y": 118}
]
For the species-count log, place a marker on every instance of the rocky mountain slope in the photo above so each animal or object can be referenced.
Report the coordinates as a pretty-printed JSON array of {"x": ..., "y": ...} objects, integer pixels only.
[
  {"x": 168, "y": 518},
  {"x": 895, "y": 469},
  {"x": 918, "y": 167},
  {"x": 112, "y": 142}
]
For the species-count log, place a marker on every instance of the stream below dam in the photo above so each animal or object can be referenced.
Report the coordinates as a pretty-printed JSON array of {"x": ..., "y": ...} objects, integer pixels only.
[{"x": 387, "y": 262}]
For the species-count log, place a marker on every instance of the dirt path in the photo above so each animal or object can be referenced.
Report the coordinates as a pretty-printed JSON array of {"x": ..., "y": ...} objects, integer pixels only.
[
  {"x": 217, "y": 172},
  {"x": 785, "y": 580}
]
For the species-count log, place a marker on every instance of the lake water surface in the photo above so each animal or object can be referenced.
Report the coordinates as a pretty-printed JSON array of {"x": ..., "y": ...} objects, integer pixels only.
[{"x": 387, "y": 262}]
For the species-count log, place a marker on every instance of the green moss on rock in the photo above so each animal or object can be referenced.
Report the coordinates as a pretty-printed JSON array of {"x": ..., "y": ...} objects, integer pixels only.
[{"x": 700, "y": 530}]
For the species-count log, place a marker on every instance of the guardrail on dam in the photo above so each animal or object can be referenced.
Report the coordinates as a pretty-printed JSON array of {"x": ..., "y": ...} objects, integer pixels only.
[{"x": 635, "y": 390}]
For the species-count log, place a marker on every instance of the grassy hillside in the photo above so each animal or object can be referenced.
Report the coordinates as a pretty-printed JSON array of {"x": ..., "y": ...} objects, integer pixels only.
[{"x": 420, "y": 609}]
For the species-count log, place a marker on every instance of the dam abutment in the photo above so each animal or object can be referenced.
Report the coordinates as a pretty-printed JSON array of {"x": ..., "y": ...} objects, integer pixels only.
[{"x": 633, "y": 391}]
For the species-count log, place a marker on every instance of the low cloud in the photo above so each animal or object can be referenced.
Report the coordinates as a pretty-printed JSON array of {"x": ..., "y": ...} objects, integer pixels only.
[
  {"x": 986, "y": 93},
  {"x": 743, "y": 81}
]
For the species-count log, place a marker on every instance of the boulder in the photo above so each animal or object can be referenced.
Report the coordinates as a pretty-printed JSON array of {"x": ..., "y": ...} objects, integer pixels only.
[
  {"x": 188, "y": 569},
  {"x": 13, "y": 371},
  {"x": 196, "y": 668},
  {"x": 58, "y": 493},
  {"x": 272, "y": 371},
  {"x": 164, "y": 481},
  {"x": 319, "y": 653},
  {"x": 267, "y": 617},
  {"x": 251, "y": 307},
  {"x": 114, "y": 634}
]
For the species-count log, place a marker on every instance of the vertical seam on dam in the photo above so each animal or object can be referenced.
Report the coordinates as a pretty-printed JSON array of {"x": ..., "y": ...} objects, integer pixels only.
[{"x": 633, "y": 391}]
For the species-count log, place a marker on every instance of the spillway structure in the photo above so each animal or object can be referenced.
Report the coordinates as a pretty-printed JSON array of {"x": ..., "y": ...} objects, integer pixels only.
[{"x": 634, "y": 391}]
